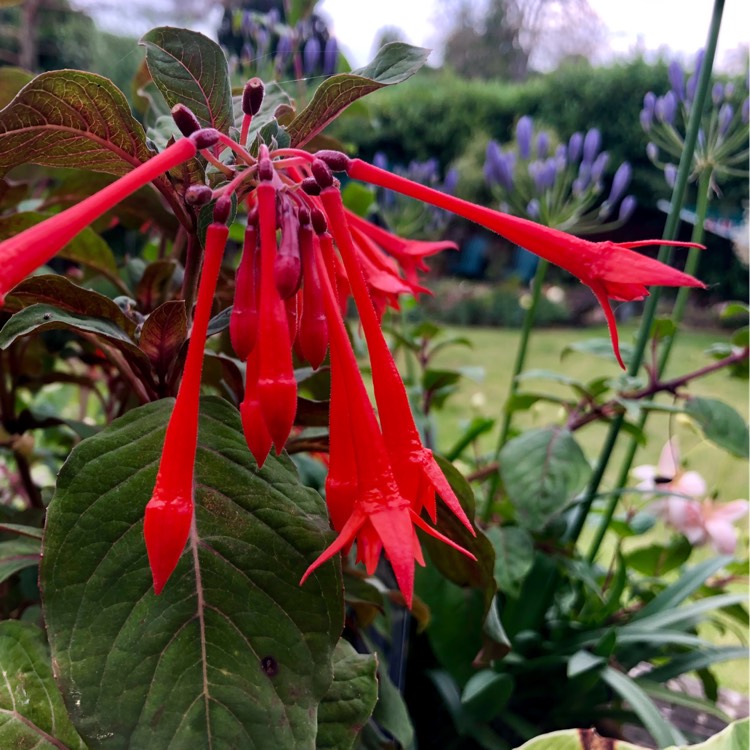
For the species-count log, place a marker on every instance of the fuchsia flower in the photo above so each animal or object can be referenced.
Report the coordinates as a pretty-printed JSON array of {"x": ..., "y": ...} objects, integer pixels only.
[{"x": 303, "y": 256}]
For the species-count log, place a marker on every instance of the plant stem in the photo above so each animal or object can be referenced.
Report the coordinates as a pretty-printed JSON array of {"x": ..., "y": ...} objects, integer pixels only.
[
  {"x": 670, "y": 232},
  {"x": 192, "y": 271},
  {"x": 523, "y": 346}
]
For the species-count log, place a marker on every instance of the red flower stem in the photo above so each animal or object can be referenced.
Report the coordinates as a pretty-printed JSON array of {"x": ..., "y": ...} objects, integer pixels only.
[
  {"x": 169, "y": 512},
  {"x": 24, "y": 253},
  {"x": 245, "y": 129},
  {"x": 229, "y": 143}
]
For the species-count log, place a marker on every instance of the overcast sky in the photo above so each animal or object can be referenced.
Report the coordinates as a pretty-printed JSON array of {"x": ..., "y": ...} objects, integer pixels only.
[{"x": 680, "y": 25}]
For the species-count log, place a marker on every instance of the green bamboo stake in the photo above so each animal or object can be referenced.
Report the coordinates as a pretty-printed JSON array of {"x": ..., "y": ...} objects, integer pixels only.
[
  {"x": 528, "y": 325},
  {"x": 665, "y": 254}
]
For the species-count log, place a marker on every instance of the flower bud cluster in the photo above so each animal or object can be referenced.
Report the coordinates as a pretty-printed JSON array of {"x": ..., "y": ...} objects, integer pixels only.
[
  {"x": 264, "y": 44},
  {"x": 406, "y": 216},
  {"x": 561, "y": 186},
  {"x": 721, "y": 149}
]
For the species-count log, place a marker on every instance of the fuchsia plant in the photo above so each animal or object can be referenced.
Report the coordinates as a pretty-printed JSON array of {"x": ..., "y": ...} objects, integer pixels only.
[{"x": 291, "y": 292}]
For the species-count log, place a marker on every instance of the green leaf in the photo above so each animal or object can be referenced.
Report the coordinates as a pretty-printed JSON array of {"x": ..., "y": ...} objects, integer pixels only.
[
  {"x": 689, "y": 582},
  {"x": 18, "y": 554},
  {"x": 680, "y": 698},
  {"x": 721, "y": 424},
  {"x": 28, "y": 531},
  {"x": 734, "y": 737},
  {"x": 542, "y": 470},
  {"x": 234, "y": 652},
  {"x": 696, "y": 660},
  {"x": 59, "y": 292},
  {"x": 395, "y": 62},
  {"x": 358, "y": 198},
  {"x": 584, "y": 661},
  {"x": 658, "y": 559},
  {"x": 32, "y": 714},
  {"x": 67, "y": 118},
  {"x": 390, "y": 712},
  {"x": 188, "y": 68},
  {"x": 12, "y": 80},
  {"x": 350, "y": 700},
  {"x": 576, "y": 739},
  {"x": 628, "y": 689},
  {"x": 514, "y": 556},
  {"x": 162, "y": 335},
  {"x": 486, "y": 694},
  {"x": 46, "y": 317}
]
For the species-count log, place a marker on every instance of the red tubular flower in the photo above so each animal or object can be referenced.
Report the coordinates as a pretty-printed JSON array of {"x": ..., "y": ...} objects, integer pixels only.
[
  {"x": 277, "y": 389},
  {"x": 313, "y": 329},
  {"x": 380, "y": 517},
  {"x": 23, "y": 254},
  {"x": 416, "y": 470},
  {"x": 253, "y": 424},
  {"x": 611, "y": 270},
  {"x": 243, "y": 322},
  {"x": 169, "y": 513}
]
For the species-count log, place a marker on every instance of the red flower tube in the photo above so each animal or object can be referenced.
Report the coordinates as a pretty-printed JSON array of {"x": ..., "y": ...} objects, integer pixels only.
[
  {"x": 611, "y": 270},
  {"x": 23, "y": 254},
  {"x": 169, "y": 513}
]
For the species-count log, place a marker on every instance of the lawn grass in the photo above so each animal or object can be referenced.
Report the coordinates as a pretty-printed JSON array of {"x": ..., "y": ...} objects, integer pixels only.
[{"x": 493, "y": 351}]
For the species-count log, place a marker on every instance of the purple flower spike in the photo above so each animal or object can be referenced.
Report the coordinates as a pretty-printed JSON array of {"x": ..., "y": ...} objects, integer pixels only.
[
  {"x": 533, "y": 209},
  {"x": 646, "y": 118},
  {"x": 330, "y": 56},
  {"x": 451, "y": 181},
  {"x": 591, "y": 144},
  {"x": 524, "y": 130},
  {"x": 726, "y": 113},
  {"x": 670, "y": 174},
  {"x": 626, "y": 208},
  {"x": 600, "y": 164},
  {"x": 542, "y": 145},
  {"x": 575, "y": 144},
  {"x": 649, "y": 100},
  {"x": 620, "y": 182},
  {"x": 666, "y": 107},
  {"x": 498, "y": 167},
  {"x": 584, "y": 178},
  {"x": 652, "y": 151},
  {"x": 311, "y": 55},
  {"x": 729, "y": 90},
  {"x": 273, "y": 17},
  {"x": 283, "y": 51},
  {"x": 717, "y": 93},
  {"x": 380, "y": 160},
  {"x": 677, "y": 79}
]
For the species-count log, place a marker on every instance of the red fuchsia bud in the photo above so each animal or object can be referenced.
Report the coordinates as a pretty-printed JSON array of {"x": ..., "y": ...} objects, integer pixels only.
[
  {"x": 310, "y": 186},
  {"x": 277, "y": 388},
  {"x": 169, "y": 513},
  {"x": 253, "y": 424},
  {"x": 288, "y": 266},
  {"x": 205, "y": 138},
  {"x": 222, "y": 209},
  {"x": 336, "y": 161},
  {"x": 291, "y": 304},
  {"x": 318, "y": 219},
  {"x": 198, "y": 195},
  {"x": 24, "y": 253},
  {"x": 243, "y": 322},
  {"x": 252, "y": 96},
  {"x": 265, "y": 165},
  {"x": 185, "y": 120},
  {"x": 313, "y": 330},
  {"x": 322, "y": 173}
]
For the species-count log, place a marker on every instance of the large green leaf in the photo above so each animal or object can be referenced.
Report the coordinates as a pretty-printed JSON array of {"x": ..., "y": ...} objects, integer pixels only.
[
  {"x": 234, "y": 652},
  {"x": 68, "y": 118},
  {"x": 721, "y": 424},
  {"x": 395, "y": 62},
  {"x": 349, "y": 701},
  {"x": 32, "y": 714},
  {"x": 542, "y": 470},
  {"x": 188, "y": 68},
  {"x": 514, "y": 556}
]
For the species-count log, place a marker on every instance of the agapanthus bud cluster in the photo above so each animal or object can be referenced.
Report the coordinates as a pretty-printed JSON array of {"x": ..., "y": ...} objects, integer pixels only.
[
  {"x": 722, "y": 144},
  {"x": 414, "y": 218},
  {"x": 561, "y": 186},
  {"x": 264, "y": 44}
]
